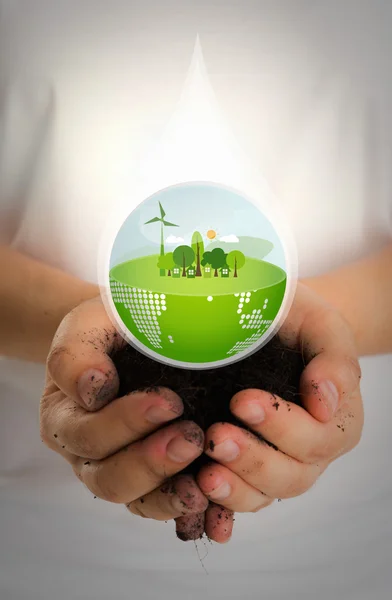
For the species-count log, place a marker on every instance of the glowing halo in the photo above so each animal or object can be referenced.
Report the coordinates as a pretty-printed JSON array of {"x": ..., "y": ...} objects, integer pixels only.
[{"x": 195, "y": 149}]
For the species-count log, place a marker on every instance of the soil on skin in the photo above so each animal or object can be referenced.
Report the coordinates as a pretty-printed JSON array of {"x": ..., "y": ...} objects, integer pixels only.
[{"x": 206, "y": 394}]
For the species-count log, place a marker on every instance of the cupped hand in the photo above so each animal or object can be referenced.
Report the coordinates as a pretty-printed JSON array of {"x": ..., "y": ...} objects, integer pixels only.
[
  {"x": 299, "y": 442},
  {"x": 119, "y": 448}
]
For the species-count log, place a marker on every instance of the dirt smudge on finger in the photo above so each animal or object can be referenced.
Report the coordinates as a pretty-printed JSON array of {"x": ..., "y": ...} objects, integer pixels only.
[{"x": 191, "y": 527}]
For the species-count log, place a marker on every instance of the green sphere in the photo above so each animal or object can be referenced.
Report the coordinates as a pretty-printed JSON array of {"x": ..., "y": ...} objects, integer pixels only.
[{"x": 190, "y": 281}]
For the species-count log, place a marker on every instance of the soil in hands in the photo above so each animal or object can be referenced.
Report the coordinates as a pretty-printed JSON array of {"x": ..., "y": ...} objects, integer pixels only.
[{"x": 206, "y": 394}]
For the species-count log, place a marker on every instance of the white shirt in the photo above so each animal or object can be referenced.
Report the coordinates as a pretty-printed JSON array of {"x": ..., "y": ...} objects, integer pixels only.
[{"x": 85, "y": 88}]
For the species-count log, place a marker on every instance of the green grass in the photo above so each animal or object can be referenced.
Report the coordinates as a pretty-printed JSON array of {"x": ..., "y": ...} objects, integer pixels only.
[
  {"x": 143, "y": 273},
  {"x": 201, "y": 315}
]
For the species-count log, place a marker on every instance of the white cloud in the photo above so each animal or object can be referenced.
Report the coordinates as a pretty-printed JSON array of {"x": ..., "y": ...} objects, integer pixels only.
[
  {"x": 231, "y": 239},
  {"x": 172, "y": 239}
]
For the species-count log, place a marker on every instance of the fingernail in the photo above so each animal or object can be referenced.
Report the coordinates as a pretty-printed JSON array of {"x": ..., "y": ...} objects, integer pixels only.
[
  {"x": 180, "y": 451},
  {"x": 221, "y": 492},
  {"x": 95, "y": 388},
  {"x": 252, "y": 413},
  {"x": 330, "y": 394},
  {"x": 226, "y": 451},
  {"x": 157, "y": 415}
]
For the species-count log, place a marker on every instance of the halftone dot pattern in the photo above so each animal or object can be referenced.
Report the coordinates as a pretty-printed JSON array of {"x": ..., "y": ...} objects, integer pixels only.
[
  {"x": 252, "y": 320},
  {"x": 144, "y": 306},
  {"x": 241, "y": 346}
]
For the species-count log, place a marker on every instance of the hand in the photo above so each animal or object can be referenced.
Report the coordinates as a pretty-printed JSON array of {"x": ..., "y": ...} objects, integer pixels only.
[
  {"x": 248, "y": 473},
  {"x": 116, "y": 446}
]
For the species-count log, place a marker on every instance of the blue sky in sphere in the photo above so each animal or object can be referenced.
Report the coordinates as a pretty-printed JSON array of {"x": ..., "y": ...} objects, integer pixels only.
[{"x": 194, "y": 207}]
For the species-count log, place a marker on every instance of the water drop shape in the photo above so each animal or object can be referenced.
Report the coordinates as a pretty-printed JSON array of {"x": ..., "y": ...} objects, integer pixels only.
[{"x": 196, "y": 227}]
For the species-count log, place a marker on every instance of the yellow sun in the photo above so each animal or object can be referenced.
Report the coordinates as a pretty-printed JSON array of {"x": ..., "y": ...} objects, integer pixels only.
[{"x": 211, "y": 234}]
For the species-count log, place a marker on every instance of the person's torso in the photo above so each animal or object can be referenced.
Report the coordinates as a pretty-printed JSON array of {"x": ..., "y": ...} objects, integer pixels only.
[{"x": 85, "y": 89}]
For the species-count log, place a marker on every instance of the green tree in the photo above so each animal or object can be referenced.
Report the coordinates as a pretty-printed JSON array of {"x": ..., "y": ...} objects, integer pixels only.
[
  {"x": 198, "y": 249},
  {"x": 235, "y": 260},
  {"x": 166, "y": 263},
  {"x": 163, "y": 223},
  {"x": 217, "y": 259},
  {"x": 206, "y": 259},
  {"x": 184, "y": 257}
]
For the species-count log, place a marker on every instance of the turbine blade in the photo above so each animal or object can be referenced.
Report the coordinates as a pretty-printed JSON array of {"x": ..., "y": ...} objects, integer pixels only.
[
  {"x": 161, "y": 209},
  {"x": 167, "y": 224},
  {"x": 154, "y": 220}
]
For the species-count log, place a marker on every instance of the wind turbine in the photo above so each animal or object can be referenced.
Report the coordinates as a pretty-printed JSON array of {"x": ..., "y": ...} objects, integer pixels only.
[{"x": 163, "y": 223}]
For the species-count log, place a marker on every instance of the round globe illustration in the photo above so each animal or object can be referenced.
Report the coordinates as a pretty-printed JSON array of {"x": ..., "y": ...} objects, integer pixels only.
[{"x": 197, "y": 276}]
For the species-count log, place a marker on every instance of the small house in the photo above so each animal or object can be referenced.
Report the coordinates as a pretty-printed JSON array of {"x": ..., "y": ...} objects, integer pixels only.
[
  {"x": 207, "y": 271},
  {"x": 191, "y": 272},
  {"x": 176, "y": 272},
  {"x": 225, "y": 271}
]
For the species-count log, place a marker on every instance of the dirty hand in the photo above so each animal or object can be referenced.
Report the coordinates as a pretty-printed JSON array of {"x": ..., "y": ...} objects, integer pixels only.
[
  {"x": 248, "y": 473},
  {"x": 113, "y": 444}
]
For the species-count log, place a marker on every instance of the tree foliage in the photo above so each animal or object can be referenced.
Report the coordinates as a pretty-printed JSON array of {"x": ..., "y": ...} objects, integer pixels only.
[
  {"x": 217, "y": 259},
  {"x": 206, "y": 259},
  {"x": 198, "y": 248},
  {"x": 166, "y": 262},
  {"x": 235, "y": 260},
  {"x": 184, "y": 257}
]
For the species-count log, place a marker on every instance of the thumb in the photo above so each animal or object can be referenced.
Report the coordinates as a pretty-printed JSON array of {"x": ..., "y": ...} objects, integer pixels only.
[
  {"x": 333, "y": 372},
  {"x": 327, "y": 382},
  {"x": 79, "y": 363}
]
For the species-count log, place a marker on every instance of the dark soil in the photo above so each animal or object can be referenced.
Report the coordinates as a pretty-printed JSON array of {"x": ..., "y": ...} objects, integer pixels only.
[{"x": 206, "y": 394}]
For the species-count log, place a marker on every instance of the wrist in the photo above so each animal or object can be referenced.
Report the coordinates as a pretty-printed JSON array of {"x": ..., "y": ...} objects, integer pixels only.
[
  {"x": 34, "y": 299},
  {"x": 72, "y": 293},
  {"x": 339, "y": 298}
]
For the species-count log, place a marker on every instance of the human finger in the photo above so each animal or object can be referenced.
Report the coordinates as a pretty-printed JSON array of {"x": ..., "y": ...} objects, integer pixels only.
[
  {"x": 332, "y": 370},
  {"x": 219, "y": 523},
  {"x": 293, "y": 430},
  {"x": 223, "y": 486},
  {"x": 96, "y": 435},
  {"x": 190, "y": 527},
  {"x": 259, "y": 464},
  {"x": 141, "y": 467},
  {"x": 79, "y": 363},
  {"x": 179, "y": 496}
]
